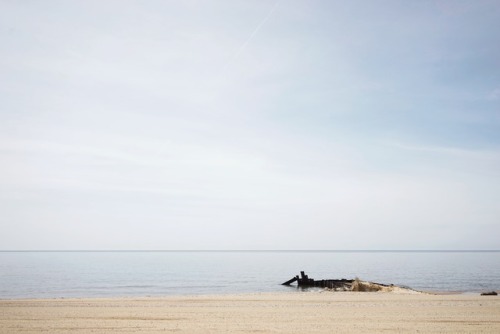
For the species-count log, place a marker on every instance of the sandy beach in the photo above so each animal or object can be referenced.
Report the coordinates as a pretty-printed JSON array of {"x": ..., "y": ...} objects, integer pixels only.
[{"x": 300, "y": 312}]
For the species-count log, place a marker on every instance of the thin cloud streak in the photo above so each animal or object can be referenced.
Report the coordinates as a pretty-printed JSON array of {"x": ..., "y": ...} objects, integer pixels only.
[
  {"x": 478, "y": 154},
  {"x": 249, "y": 39}
]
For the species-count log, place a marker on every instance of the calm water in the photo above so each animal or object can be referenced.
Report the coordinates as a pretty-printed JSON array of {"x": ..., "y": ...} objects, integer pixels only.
[{"x": 103, "y": 274}]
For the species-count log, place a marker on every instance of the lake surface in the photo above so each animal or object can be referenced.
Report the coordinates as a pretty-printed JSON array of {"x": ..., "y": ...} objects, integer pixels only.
[{"x": 110, "y": 274}]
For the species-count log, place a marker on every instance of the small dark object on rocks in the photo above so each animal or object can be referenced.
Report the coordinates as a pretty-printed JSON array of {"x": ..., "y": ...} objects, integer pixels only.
[{"x": 492, "y": 293}]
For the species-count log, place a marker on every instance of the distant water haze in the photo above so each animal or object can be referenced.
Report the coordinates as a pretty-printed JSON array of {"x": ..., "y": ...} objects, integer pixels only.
[{"x": 112, "y": 274}]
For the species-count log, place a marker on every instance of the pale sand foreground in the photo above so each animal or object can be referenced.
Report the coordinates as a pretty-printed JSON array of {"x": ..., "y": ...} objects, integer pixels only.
[{"x": 308, "y": 312}]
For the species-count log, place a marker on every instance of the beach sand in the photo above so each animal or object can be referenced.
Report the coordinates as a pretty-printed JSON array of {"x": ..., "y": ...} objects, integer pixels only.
[{"x": 297, "y": 312}]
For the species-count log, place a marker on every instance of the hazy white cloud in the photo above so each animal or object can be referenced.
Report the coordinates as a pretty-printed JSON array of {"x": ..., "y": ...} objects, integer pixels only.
[
  {"x": 248, "y": 125},
  {"x": 494, "y": 95}
]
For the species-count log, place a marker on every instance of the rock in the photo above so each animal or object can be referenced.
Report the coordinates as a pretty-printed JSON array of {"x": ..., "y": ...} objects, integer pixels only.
[{"x": 491, "y": 293}]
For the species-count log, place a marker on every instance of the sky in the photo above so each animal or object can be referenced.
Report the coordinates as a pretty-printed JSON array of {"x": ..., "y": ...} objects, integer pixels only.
[{"x": 257, "y": 124}]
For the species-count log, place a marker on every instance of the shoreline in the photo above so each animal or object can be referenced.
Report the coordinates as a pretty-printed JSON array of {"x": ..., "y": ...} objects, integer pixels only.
[
  {"x": 283, "y": 312},
  {"x": 292, "y": 290}
]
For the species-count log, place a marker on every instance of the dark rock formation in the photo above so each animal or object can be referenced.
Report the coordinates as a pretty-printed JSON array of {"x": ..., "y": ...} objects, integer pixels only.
[{"x": 491, "y": 293}]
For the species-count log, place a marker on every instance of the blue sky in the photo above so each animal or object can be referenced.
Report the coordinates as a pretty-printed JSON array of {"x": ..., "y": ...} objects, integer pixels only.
[{"x": 250, "y": 125}]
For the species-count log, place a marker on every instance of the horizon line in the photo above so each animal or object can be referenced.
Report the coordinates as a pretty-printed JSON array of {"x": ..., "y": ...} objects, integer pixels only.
[{"x": 251, "y": 250}]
